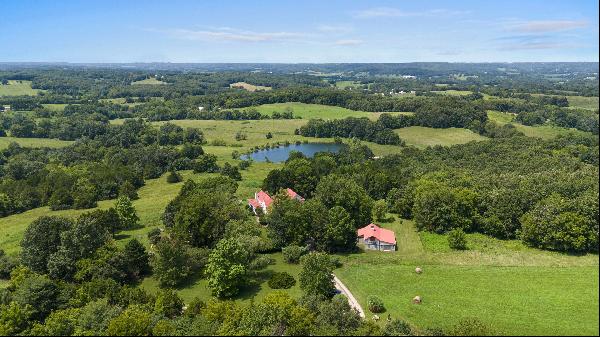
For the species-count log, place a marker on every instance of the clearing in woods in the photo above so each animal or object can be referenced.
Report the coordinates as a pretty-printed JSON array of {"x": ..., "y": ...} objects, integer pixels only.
[
  {"x": 18, "y": 88},
  {"x": 248, "y": 86},
  {"x": 150, "y": 81}
]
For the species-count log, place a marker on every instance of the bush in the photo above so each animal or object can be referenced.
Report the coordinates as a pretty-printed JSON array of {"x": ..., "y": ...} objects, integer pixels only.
[
  {"x": 397, "y": 328},
  {"x": 173, "y": 177},
  {"x": 7, "y": 264},
  {"x": 281, "y": 281},
  {"x": 457, "y": 239},
  {"x": 154, "y": 236},
  {"x": 292, "y": 254},
  {"x": 470, "y": 327},
  {"x": 375, "y": 304}
]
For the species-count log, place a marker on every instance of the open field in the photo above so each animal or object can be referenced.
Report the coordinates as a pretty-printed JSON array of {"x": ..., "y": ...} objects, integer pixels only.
[
  {"x": 18, "y": 88},
  {"x": 308, "y": 111},
  {"x": 281, "y": 129},
  {"x": 33, "y": 142},
  {"x": 151, "y": 81},
  {"x": 590, "y": 103},
  {"x": 420, "y": 136},
  {"x": 453, "y": 92},
  {"x": 55, "y": 107},
  {"x": 538, "y": 131},
  {"x": 248, "y": 86},
  {"x": 347, "y": 84},
  {"x": 503, "y": 283}
]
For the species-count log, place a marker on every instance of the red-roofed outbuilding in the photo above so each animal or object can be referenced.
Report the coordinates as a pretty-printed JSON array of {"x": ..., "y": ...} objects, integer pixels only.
[{"x": 377, "y": 238}]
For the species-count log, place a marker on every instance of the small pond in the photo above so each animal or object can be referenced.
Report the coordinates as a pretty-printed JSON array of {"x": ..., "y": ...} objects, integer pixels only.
[{"x": 281, "y": 153}]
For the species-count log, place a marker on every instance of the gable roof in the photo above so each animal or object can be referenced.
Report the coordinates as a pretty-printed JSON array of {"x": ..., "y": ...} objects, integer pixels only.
[
  {"x": 293, "y": 194},
  {"x": 381, "y": 234},
  {"x": 264, "y": 197}
]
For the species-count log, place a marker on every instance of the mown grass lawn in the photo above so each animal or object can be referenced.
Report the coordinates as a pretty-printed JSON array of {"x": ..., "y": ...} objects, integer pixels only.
[
  {"x": 18, "y": 88},
  {"x": 256, "y": 289},
  {"x": 513, "y": 288},
  {"x": 512, "y": 300}
]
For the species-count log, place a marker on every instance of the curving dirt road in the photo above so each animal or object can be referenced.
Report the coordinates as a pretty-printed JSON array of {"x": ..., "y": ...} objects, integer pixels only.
[{"x": 351, "y": 300}]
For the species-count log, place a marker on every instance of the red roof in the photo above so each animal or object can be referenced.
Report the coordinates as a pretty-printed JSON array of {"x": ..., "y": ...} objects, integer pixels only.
[
  {"x": 293, "y": 194},
  {"x": 264, "y": 197},
  {"x": 254, "y": 203},
  {"x": 381, "y": 234}
]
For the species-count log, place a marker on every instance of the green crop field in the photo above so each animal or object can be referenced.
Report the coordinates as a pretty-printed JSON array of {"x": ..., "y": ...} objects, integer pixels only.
[
  {"x": 33, "y": 142},
  {"x": 538, "y": 131},
  {"x": 18, "y": 88},
  {"x": 150, "y": 81},
  {"x": 308, "y": 111},
  {"x": 503, "y": 283},
  {"x": 423, "y": 136}
]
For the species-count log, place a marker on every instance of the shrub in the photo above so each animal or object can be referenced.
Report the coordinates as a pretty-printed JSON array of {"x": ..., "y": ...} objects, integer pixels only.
[
  {"x": 7, "y": 264},
  {"x": 457, "y": 239},
  {"x": 292, "y": 254},
  {"x": 173, "y": 177},
  {"x": 397, "y": 328},
  {"x": 470, "y": 327},
  {"x": 281, "y": 281},
  {"x": 375, "y": 304},
  {"x": 154, "y": 236}
]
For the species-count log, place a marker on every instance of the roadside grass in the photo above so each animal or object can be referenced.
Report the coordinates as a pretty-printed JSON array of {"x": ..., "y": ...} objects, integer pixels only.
[
  {"x": 538, "y": 131},
  {"x": 308, "y": 111},
  {"x": 149, "y": 81},
  {"x": 33, "y": 142},
  {"x": 18, "y": 88},
  {"x": 421, "y": 137},
  {"x": 249, "y": 87}
]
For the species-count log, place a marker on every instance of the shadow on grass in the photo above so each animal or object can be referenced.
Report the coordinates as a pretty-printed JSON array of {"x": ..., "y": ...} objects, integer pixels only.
[
  {"x": 121, "y": 236},
  {"x": 388, "y": 219},
  {"x": 256, "y": 283}
]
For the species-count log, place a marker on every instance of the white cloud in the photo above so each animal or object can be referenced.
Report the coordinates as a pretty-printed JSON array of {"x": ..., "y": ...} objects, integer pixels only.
[
  {"x": 389, "y": 12},
  {"x": 547, "y": 26},
  {"x": 348, "y": 42},
  {"x": 230, "y": 34},
  {"x": 336, "y": 29}
]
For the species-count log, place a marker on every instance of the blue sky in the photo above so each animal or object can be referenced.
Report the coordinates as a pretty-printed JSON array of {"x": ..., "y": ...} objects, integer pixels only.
[{"x": 298, "y": 31}]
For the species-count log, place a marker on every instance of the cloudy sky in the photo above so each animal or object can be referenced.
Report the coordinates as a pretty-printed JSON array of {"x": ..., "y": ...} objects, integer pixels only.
[{"x": 298, "y": 31}]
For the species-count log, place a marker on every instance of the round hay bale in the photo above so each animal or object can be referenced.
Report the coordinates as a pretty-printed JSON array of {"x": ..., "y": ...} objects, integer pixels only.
[
  {"x": 417, "y": 300},
  {"x": 418, "y": 270}
]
